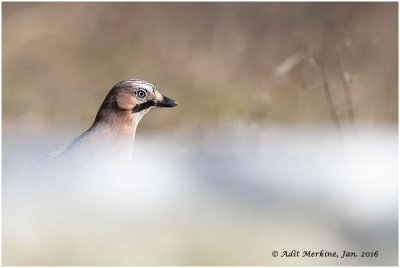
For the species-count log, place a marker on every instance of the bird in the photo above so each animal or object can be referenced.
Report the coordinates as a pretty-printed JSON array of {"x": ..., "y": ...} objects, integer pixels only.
[{"x": 110, "y": 139}]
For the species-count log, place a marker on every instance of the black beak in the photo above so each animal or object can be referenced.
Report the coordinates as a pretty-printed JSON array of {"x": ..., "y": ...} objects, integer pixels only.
[{"x": 166, "y": 102}]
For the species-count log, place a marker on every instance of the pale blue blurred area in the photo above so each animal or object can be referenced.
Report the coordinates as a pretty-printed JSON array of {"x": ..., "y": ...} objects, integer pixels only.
[{"x": 220, "y": 195}]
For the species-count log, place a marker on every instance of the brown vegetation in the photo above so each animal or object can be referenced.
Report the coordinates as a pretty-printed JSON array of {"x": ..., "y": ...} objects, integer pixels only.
[{"x": 221, "y": 61}]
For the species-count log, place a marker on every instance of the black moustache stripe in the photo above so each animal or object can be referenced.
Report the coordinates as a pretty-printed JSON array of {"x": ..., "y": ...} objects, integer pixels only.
[{"x": 142, "y": 106}]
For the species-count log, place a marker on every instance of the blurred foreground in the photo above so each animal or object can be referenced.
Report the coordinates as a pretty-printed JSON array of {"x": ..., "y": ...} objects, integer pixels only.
[{"x": 227, "y": 195}]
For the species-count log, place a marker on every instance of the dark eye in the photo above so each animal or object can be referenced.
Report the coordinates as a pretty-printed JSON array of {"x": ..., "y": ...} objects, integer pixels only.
[{"x": 141, "y": 93}]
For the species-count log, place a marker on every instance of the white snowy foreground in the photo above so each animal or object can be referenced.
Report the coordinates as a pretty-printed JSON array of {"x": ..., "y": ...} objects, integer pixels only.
[{"x": 218, "y": 196}]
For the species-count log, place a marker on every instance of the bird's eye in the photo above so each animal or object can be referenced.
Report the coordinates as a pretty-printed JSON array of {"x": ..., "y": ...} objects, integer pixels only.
[{"x": 141, "y": 93}]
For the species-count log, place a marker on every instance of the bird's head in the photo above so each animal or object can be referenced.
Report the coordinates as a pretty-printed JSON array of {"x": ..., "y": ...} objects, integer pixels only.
[{"x": 135, "y": 96}]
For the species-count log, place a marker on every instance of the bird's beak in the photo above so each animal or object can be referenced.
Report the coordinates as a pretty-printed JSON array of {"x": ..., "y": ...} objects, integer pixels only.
[{"x": 165, "y": 102}]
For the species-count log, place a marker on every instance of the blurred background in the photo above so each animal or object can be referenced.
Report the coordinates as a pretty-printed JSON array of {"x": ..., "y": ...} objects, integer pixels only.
[{"x": 285, "y": 136}]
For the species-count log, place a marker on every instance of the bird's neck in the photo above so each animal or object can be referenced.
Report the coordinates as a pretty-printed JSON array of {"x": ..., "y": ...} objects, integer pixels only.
[{"x": 118, "y": 130}]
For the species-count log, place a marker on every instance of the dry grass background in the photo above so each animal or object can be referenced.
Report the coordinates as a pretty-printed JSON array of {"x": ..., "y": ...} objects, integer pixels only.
[{"x": 219, "y": 60}]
